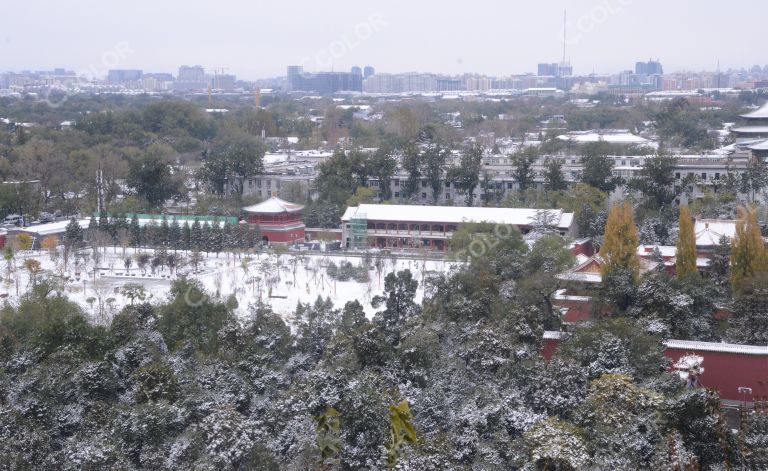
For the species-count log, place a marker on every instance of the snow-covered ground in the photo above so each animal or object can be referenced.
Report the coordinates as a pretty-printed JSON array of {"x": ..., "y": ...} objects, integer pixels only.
[{"x": 280, "y": 280}]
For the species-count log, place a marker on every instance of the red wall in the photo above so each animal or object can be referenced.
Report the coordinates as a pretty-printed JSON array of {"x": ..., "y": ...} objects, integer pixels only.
[
  {"x": 726, "y": 372},
  {"x": 549, "y": 347},
  {"x": 283, "y": 237},
  {"x": 584, "y": 248},
  {"x": 577, "y": 310}
]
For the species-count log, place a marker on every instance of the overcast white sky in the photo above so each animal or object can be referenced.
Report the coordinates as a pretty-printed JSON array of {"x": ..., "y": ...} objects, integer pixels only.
[{"x": 254, "y": 38}]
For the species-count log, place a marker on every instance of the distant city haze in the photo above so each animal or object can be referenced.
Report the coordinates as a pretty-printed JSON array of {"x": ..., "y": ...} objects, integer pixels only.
[{"x": 259, "y": 39}]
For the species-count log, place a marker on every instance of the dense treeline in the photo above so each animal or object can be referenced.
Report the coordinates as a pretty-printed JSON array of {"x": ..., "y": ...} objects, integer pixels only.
[
  {"x": 187, "y": 385},
  {"x": 151, "y": 151},
  {"x": 214, "y": 236}
]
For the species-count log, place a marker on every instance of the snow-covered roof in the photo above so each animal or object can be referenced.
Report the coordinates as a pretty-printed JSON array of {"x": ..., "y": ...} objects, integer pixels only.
[
  {"x": 709, "y": 231},
  {"x": 590, "y": 271},
  {"x": 760, "y": 113},
  {"x": 751, "y": 130},
  {"x": 762, "y": 145},
  {"x": 613, "y": 137},
  {"x": 274, "y": 205},
  {"x": 455, "y": 214},
  {"x": 554, "y": 335},
  {"x": 716, "y": 347},
  {"x": 53, "y": 227},
  {"x": 647, "y": 250}
]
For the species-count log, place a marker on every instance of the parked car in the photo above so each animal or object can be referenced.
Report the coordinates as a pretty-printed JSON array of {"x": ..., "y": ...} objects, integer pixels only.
[
  {"x": 46, "y": 218},
  {"x": 14, "y": 219}
]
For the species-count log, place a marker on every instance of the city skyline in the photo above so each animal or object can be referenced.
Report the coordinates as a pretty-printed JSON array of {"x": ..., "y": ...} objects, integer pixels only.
[{"x": 251, "y": 42}]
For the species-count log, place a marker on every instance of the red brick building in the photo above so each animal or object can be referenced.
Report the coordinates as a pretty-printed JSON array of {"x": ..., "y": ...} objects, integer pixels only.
[{"x": 279, "y": 222}]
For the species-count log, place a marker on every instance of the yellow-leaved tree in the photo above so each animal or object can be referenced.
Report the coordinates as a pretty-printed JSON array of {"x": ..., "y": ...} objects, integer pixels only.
[
  {"x": 748, "y": 254},
  {"x": 619, "y": 250},
  {"x": 685, "y": 258}
]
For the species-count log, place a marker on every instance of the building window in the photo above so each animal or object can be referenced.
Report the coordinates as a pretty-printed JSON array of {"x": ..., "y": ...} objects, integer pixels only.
[
  {"x": 447, "y": 196},
  {"x": 717, "y": 176},
  {"x": 424, "y": 196},
  {"x": 258, "y": 184},
  {"x": 397, "y": 194},
  {"x": 260, "y": 193},
  {"x": 397, "y": 182},
  {"x": 677, "y": 175},
  {"x": 423, "y": 183},
  {"x": 510, "y": 185},
  {"x": 250, "y": 183},
  {"x": 703, "y": 175},
  {"x": 447, "y": 184}
]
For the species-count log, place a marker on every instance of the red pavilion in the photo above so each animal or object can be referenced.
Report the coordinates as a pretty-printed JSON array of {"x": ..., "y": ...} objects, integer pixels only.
[{"x": 279, "y": 221}]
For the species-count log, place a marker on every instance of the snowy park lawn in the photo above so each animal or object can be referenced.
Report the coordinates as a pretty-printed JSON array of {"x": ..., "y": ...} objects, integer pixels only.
[{"x": 280, "y": 280}]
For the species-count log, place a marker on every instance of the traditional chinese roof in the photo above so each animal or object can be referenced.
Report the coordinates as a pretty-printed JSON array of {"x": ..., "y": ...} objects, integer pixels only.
[
  {"x": 591, "y": 270},
  {"x": 709, "y": 231},
  {"x": 756, "y": 130},
  {"x": 274, "y": 205},
  {"x": 694, "y": 346},
  {"x": 760, "y": 113},
  {"x": 762, "y": 145}
]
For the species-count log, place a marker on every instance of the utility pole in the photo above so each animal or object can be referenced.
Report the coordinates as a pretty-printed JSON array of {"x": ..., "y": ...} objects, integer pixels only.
[{"x": 99, "y": 190}]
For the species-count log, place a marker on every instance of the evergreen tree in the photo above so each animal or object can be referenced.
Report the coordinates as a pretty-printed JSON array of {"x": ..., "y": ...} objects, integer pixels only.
[
  {"x": 554, "y": 179},
  {"x": 175, "y": 234},
  {"x": 186, "y": 236},
  {"x": 92, "y": 225},
  {"x": 238, "y": 237},
  {"x": 748, "y": 254},
  {"x": 686, "y": 245},
  {"x": 150, "y": 234},
  {"x": 135, "y": 231},
  {"x": 103, "y": 221},
  {"x": 718, "y": 269},
  {"x": 619, "y": 250},
  {"x": 121, "y": 221},
  {"x": 112, "y": 227},
  {"x": 163, "y": 232},
  {"x": 196, "y": 236},
  {"x": 226, "y": 237},
  {"x": 206, "y": 240},
  {"x": 73, "y": 234},
  {"x": 216, "y": 238}
]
